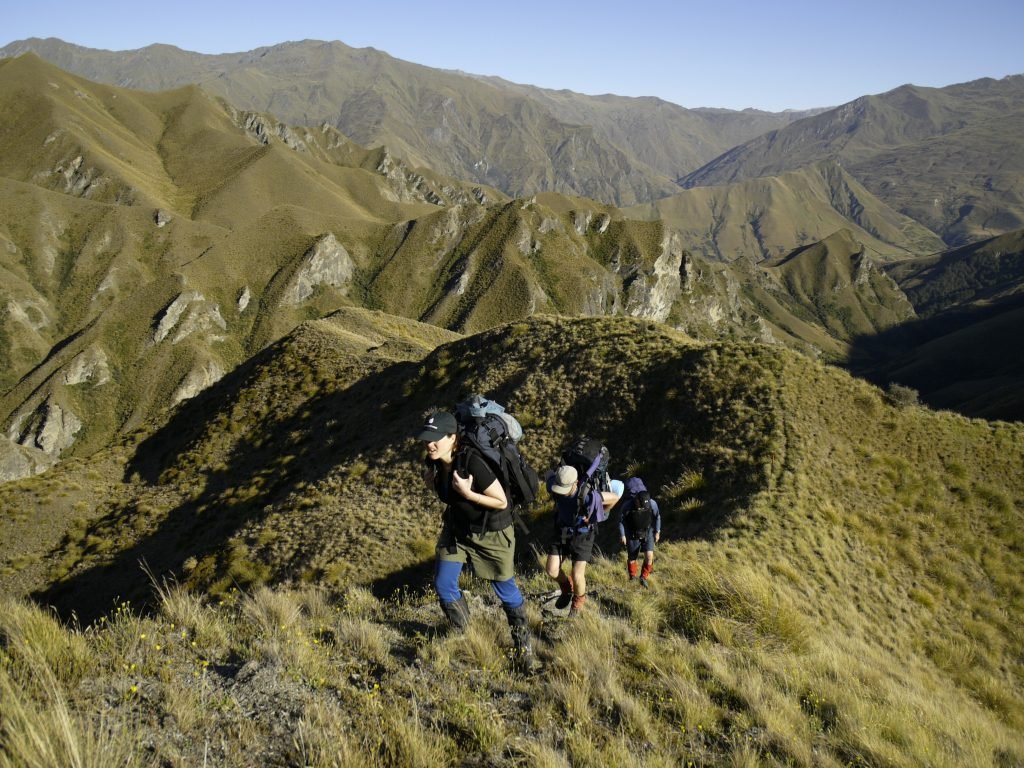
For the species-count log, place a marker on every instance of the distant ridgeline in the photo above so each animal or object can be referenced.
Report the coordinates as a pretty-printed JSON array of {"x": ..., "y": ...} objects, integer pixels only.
[{"x": 154, "y": 241}]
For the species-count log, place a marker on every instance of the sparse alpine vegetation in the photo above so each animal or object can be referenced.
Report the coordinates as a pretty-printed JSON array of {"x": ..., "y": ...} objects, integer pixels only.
[{"x": 838, "y": 583}]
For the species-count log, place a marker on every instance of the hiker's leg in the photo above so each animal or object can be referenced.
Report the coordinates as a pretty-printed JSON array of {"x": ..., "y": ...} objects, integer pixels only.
[
  {"x": 579, "y": 577},
  {"x": 507, "y": 592},
  {"x": 632, "y": 553},
  {"x": 446, "y": 580},
  {"x": 453, "y": 602},
  {"x": 554, "y": 566}
]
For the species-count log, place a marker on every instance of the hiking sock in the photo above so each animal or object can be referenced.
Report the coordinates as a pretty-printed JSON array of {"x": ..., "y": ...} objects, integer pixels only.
[
  {"x": 631, "y": 568},
  {"x": 578, "y": 602},
  {"x": 566, "y": 585},
  {"x": 645, "y": 573}
]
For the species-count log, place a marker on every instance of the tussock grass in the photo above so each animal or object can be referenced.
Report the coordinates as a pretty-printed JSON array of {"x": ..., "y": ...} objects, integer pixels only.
[{"x": 832, "y": 587}]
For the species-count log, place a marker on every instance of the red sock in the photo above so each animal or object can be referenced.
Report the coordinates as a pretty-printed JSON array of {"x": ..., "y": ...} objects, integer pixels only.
[
  {"x": 645, "y": 572},
  {"x": 631, "y": 567},
  {"x": 565, "y": 582}
]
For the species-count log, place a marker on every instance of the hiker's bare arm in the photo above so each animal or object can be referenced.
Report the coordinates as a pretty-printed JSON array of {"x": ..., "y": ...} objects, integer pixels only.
[
  {"x": 608, "y": 499},
  {"x": 493, "y": 496}
]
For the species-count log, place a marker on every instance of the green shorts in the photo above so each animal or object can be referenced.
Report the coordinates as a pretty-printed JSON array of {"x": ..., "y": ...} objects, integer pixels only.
[{"x": 491, "y": 554}]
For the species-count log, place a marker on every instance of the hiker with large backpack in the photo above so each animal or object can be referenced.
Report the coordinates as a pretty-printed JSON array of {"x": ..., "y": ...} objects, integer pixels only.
[
  {"x": 477, "y": 529},
  {"x": 582, "y": 496},
  {"x": 639, "y": 528}
]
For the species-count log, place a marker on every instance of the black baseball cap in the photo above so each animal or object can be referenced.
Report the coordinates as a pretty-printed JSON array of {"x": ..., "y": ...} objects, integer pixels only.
[{"x": 438, "y": 425}]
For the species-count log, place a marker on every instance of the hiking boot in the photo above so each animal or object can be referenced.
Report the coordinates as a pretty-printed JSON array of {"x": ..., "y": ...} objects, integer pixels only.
[
  {"x": 645, "y": 573},
  {"x": 578, "y": 601},
  {"x": 457, "y": 613},
  {"x": 523, "y": 657},
  {"x": 643, "y": 582}
]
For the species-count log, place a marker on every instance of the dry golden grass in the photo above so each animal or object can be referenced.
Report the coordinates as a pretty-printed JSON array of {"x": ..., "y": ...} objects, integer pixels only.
[{"x": 835, "y": 584}]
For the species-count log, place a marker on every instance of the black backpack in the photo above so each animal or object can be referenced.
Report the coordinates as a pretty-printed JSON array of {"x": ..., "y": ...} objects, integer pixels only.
[
  {"x": 485, "y": 427},
  {"x": 637, "y": 512}
]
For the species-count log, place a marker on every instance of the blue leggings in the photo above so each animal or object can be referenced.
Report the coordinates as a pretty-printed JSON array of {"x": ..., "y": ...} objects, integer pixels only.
[{"x": 446, "y": 584}]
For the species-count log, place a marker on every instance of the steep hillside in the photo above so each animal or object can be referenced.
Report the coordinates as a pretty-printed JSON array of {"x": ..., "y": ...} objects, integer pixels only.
[
  {"x": 962, "y": 352},
  {"x": 152, "y": 242},
  {"x": 837, "y": 581},
  {"x": 976, "y": 274},
  {"x": 520, "y": 139},
  {"x": 765, "y": 218},
  {"x": 951, "y": 158}
]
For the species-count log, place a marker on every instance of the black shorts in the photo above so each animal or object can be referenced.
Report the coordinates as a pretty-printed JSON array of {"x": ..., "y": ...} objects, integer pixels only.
[
  {"x": 635, "y": 542},
  {"x": 573, "y": 545}
]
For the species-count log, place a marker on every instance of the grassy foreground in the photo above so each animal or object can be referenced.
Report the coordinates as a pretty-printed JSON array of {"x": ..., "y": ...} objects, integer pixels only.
[{"x": 839, "y": 581}]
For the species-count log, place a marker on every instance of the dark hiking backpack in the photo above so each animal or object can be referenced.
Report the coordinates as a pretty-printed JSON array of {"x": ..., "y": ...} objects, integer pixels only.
[
  {"x": 590, "y": 458},
  {"x": 486, "y": 427},
  {"x": 637, "y": 512}
]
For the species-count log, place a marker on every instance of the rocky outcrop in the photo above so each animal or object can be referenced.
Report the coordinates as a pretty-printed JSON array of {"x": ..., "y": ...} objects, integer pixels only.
[
  {"x": 89, "y": 366},
  {"x": 29, "y": 313},
  {"x": 262, "y": 129},
  {"x": 652, "y": 295},
  {"x": 190, "y": 312},
  {"x": 17, "y": 461},
  {"x": 197, "y": 380},
  {"x": 326, "y": 263},
  {"x": 50, "y": 428}
]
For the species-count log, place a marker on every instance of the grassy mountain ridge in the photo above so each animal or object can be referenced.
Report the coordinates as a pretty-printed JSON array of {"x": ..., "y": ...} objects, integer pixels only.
[
  {"x": 765, "y": 218},
  {"x": 519, "y": 139},
  {"x": 982, "y": 272},
  {"x": 160, "y": 239},
  {"x": 837, "y": 582},
  {"x": 948, "y": 157}
]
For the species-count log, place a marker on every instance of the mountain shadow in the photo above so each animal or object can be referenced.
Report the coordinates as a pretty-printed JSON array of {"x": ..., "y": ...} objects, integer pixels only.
[
  {"x": 963, "y": 359},
  {"x": 298, "y": 467},
  {"x": 276, "y": 454}
]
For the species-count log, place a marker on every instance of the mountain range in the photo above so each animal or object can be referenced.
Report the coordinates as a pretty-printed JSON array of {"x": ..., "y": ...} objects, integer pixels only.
[
  {"x": 156, "y": 240},
  {"x": 231, "y": 286},
  {"x": 949, "y": 158}
]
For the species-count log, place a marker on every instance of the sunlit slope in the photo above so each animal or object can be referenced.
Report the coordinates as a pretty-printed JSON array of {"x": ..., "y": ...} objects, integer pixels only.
[
  {"x": 951, "y": 157},
  {"x": 766, "y": 217},
  {"x": 129, "y": 215}
]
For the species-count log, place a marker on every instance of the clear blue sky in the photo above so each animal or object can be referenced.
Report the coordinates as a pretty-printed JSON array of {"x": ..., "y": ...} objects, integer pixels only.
[{"x": 717, "y": 53}]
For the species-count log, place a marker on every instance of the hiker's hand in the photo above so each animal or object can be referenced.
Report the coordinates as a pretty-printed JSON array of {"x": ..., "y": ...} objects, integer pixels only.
[
  {"x": 464, "y": 485},
  {"x": 657, "y": 537},
  {"x": 623, "y": 540}
]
